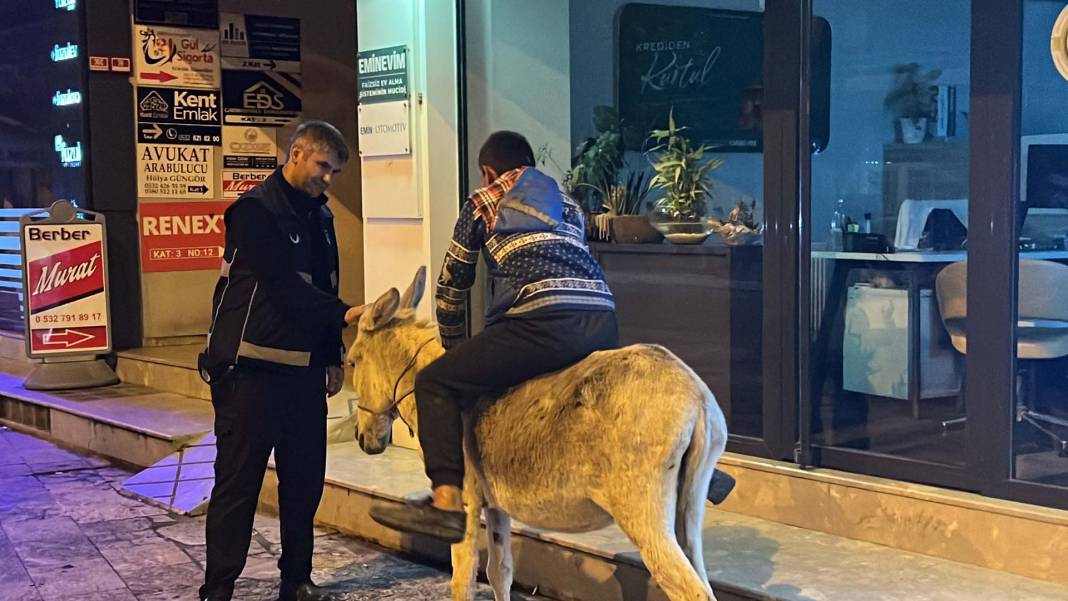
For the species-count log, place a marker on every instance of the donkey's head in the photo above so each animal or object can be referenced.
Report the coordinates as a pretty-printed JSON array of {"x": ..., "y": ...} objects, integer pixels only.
[{"x": 390, "y": 348}]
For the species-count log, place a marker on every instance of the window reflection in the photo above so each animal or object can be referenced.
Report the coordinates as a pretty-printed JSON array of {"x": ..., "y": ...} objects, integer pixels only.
[
  {"x": 890, "y": 208},
  {"x": 1040, "y": 417}
]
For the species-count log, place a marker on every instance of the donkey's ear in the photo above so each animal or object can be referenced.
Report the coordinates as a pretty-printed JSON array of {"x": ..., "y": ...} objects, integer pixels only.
[
  {"x": 383, "y": 310},
  {"x": 414, "y": 293}
]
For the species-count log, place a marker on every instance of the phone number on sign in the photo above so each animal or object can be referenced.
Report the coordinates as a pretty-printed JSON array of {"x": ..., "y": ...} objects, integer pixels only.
[{"x": 66, "y": 318}]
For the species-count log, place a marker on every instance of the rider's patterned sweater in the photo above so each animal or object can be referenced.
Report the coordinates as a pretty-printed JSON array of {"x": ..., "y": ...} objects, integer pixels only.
[{"x": 531, "y": 272}]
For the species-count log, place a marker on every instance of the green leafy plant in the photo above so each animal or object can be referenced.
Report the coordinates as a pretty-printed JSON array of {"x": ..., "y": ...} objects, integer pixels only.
[
  {"x": 627, "y": 198},
  {"x": 682, "y": 172},
  {"x": 913, "y": 94},
  {"x": 597, "y": 161}
]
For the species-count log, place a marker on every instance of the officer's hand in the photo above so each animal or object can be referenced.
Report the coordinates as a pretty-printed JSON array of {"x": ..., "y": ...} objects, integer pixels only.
[
  {"x": 352, "y": 316},
  {"x": 335, "y": 376}
]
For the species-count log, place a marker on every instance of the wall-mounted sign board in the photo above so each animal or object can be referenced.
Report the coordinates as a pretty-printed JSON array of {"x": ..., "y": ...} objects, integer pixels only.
[
  {"x": 384, "y": 129},
  {"x": 179, "y": 58},
  {"x": 382, "y": 75}
]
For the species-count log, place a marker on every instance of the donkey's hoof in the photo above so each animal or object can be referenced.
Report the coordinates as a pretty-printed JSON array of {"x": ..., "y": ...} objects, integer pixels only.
[
  {"x": 418, "y": 516},
  {"x": 721, "y": 486}
]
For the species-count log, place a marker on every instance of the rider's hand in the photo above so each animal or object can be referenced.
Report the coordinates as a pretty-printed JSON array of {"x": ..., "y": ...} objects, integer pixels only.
[{"x": 335, "y": 377}]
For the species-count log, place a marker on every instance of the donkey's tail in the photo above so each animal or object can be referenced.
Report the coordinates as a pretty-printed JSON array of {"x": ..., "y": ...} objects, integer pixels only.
[{"x": 707, "y": 442}]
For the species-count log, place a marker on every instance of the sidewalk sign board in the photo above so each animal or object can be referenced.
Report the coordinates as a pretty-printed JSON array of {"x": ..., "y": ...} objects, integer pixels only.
[{"x": 64, "y": 270}]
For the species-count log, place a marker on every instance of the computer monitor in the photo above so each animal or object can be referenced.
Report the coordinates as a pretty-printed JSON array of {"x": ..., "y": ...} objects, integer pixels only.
[{"x": 1043, "y": 174}]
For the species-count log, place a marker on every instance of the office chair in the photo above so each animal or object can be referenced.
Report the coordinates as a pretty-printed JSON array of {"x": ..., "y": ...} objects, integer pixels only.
[{"x": 1041, "y": 330}]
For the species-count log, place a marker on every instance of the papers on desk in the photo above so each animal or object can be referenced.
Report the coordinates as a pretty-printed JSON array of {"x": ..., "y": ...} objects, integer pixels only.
[
  {"x": 912, "y": 218},
  {"x": 878, "y": 345}
]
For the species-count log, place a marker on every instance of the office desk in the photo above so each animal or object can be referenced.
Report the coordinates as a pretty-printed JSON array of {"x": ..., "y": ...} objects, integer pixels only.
[{"x": 922, "y": 268}]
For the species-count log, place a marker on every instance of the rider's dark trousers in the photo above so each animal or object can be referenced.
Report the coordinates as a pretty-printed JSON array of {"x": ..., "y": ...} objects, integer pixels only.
[
  {"x": 257, "y": 411},
  {"x": 508, "y": 352}
]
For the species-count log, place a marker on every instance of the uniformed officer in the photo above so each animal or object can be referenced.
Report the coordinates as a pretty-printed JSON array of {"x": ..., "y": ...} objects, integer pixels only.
[{"x": 274, "y": 354}]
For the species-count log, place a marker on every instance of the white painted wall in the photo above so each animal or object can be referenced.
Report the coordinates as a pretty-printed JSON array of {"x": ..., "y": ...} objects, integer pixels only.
[{"x": 411, "y": 202}]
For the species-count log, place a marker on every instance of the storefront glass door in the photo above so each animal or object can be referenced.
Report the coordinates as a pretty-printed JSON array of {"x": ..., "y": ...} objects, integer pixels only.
[
  {"x": 1036, "y": 418},
  {"x": 887, "y": 240},
  {"x": 654, "y": 119}
]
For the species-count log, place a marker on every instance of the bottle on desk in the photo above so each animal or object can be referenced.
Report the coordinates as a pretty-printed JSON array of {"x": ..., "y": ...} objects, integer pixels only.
[
  {"x": 837, "y": 225},
  {"x": 867, "y": 223}
]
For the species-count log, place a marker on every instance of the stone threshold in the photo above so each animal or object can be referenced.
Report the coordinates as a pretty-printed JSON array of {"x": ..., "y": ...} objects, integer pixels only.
[
  {"x": 747, "y": 557},
  {"x": 1018, "y": 538},
  {"x": 918, "y": 492}
]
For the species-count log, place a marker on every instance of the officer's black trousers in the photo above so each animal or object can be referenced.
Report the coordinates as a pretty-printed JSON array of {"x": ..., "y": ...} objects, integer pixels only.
[
  {"x": 509, "y": 352},
  {"x": 257, "y": 411}
]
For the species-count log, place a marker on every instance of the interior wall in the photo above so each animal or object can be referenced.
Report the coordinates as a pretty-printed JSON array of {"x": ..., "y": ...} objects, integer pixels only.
[
  {"x": 178, "y": 304},
  {"x": 868, "y": 38}
]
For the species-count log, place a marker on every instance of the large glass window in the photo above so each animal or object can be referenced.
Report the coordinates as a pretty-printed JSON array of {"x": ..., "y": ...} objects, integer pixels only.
[
  {"x": 42, "y": 125},
  {"x": 650, "y": 117},
  {"x": 42, "y": 103},
  {"x": 890, "y": 214},
  {"x": 1039, "y": 425}
]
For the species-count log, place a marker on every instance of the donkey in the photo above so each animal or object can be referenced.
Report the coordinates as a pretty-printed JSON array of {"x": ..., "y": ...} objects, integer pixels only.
[{"x": 630, "y": 434}]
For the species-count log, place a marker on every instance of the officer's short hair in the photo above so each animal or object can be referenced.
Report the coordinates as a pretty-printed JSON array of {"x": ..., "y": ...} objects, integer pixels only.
[
  {"x": 504, "y": 151},
  {"x": 322, "y": 136}
]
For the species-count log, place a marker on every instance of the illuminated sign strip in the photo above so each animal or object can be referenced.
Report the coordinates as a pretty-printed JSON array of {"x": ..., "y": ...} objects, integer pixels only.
[
  {"x": 69, "y": 156},
  {"x": 68, "y": 98},
  {"x": 64, "y": 53},
  {"x": 69, "y": 5}
]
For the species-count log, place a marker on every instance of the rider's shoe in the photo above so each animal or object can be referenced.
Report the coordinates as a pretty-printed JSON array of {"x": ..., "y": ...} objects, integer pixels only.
[
  {"x": 720, "y": 488},
  {"x": 418, "y": 516}
]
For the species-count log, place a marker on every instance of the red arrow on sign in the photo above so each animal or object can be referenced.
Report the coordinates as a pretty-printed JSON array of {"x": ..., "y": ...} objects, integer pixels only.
[
  {"x": 67, "y": 338},
  {"x": 162, "y": 76}
]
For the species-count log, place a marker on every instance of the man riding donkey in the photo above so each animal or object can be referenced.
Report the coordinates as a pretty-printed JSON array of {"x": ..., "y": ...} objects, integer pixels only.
[{"x": 550, "y": 307}]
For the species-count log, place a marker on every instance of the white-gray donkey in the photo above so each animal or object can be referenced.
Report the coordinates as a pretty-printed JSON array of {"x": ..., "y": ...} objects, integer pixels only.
[{"x": 631, "y": 434}]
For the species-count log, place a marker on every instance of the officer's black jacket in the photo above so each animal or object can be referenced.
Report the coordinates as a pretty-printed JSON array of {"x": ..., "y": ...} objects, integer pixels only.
[{"x": 275, "y": 305}]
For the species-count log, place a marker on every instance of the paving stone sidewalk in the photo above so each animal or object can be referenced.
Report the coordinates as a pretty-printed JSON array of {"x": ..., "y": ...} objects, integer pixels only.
[{"x": 66, "y": 534}]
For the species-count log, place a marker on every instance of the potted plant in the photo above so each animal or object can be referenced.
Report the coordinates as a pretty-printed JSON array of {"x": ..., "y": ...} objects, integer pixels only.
[
  {"x": 682, "y": 174},
  {"x": 596, "y": 161},
  {"x": 912, "y": 100},
  {"x": 613, "y": 207},
  {"x": 623, "y": 220}
]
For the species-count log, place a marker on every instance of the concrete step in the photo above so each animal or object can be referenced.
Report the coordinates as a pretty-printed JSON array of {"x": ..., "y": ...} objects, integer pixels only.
[
  {"x": 747, "y": 557},
  {"x": 170, "y": 368},
  {"x": 133, "y": 424}
]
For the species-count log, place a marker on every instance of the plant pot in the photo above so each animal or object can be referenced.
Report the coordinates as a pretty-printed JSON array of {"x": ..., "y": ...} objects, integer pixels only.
[
  {"x": 633, "y": 229},
  {"x": 680, "y": 230},
  {"x": 683, "y": 232},
  {"x": 913, "y": 131}
]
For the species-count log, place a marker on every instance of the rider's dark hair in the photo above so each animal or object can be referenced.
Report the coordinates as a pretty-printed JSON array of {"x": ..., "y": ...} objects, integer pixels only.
[{"x": 504, "y": 151}]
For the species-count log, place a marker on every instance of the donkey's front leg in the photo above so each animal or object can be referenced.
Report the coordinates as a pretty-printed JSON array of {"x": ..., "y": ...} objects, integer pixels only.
[
  {"x": 465, "y": 552},
  {"x": 499, "y": 568}
]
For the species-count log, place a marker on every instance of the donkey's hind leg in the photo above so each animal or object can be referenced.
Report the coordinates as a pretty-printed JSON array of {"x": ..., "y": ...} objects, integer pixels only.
[
  {"x": 698, "y": 464},
  {"x": 499, "y": 568},
  {"x": 648, "y": 519}
]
